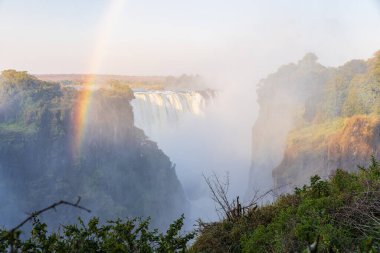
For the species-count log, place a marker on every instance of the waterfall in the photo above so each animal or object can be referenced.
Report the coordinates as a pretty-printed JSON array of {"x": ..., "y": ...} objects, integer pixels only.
[
  {"x": 154, "y": 110},
  {"x": 201, "y": 134}
]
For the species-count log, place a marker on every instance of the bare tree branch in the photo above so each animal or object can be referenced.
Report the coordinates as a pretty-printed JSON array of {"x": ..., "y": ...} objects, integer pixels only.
[
  {"x": 363, "y": 213},
  {"x": 53, "y": 206},
  {"x": 226, "y": 208},
  {"x": 232, "y": 209}
]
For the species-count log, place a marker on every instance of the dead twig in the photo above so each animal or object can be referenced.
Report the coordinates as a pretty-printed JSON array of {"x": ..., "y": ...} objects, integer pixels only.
[
  {"x": 232, "y": 210},
  {"x": 53, "y": 206}
]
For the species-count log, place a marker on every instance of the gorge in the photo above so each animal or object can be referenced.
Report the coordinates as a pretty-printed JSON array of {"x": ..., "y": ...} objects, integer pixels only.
[
  {"x": 144, "y": 142},
  {"x": 191, "y": 124}
]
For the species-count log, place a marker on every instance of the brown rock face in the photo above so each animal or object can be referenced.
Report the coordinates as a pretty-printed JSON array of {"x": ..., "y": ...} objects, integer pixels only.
[
  {"x": 359, "y": 139},
  {"x": 313, "y": 120},
  {"x": 347, "y": 147}
]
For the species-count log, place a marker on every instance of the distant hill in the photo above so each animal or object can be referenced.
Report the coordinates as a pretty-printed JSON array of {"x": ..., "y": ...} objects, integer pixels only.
[{"x": 134, "y": 82}]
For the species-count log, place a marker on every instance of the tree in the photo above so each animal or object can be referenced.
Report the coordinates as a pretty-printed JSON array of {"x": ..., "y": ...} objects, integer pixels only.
[{"x": 131, "y": 235}]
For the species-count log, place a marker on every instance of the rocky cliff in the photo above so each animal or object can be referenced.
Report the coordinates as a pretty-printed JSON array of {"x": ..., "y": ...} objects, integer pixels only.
[
  {"x": 118, "y": 173},
  {"x": 315, "y": 119}
]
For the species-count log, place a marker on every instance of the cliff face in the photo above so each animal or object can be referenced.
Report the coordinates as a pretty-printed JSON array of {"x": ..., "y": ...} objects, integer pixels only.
[
  {"x": 321, "y": 120},
  {"x": 281, "y": 97},
  {"x": 323, "y": 148},
  {"x": 118, "y": 173}
]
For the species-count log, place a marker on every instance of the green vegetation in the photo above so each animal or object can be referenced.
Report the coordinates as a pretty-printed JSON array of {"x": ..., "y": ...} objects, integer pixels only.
[
  {"x": 24, "y": 100},
  {"x": 339, "y": 214},
  {"x": 314, "y": 133},
  {"x": 132, "y": 235},
  {"x": 314, "y": 119},
  {"x": 118, "y": 171},
  {"x": 353, "y": 89}
]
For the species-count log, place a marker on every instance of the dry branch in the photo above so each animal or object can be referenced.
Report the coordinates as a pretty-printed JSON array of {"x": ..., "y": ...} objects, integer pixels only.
[
  {"x": 53, "y": 206},
  {"x": 225, "y": 208}
]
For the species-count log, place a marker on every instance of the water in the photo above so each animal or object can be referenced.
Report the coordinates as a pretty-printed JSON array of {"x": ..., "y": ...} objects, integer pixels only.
[
  {"x": 155, "y": 111},
  {"x": 201, "y": 134}
]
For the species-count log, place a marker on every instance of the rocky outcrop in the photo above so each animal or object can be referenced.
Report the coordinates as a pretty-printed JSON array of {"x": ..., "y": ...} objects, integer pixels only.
[
  {"x": 313, "y": 120},
  {"x": 281, "y": 97},
  {"x": 118, "y": 173},
  {"x": 349, "y": 144}
]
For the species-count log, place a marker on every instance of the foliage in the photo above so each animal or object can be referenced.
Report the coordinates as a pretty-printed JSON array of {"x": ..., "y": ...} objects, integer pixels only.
[
  {"x": 118, "y": 89},
  {"x": 314, "y": 133},
  {"x": 350, "y": 89},
  {"x": 133, "y": 235},
  {"x": 324, "y": 117},
  {"x": 119, "y": 172},
  {"x": 339, "y": 214}
]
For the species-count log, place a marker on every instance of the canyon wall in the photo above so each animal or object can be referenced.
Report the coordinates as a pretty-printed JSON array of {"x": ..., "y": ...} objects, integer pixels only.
[
  {"x": 119, "y": 172},
  {"x": 315, "y": 119}
]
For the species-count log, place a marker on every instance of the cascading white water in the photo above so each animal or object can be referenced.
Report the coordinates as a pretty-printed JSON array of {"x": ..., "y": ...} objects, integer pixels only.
[
  {"x": 201, "y": 133},
  {"x": 154, "y": 110}
]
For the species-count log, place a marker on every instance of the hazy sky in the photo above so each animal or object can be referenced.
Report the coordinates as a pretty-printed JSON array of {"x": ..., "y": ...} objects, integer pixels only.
[{"x": 151, "y": 37}]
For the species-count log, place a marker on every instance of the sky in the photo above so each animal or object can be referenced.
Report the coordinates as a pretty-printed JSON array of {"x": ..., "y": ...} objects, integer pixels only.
[{"x": 172, "y": 37}]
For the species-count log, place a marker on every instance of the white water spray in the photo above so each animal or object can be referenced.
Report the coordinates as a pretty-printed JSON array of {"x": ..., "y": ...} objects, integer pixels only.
[{"x": 154, "y": 110}]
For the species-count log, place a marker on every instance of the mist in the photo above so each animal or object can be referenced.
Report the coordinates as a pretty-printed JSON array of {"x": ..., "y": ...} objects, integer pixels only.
[{"x": 217, "y": 141}]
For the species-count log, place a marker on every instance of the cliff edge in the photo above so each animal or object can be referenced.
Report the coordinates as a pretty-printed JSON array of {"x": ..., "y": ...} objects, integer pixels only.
[{"x": 314, "y": 120}]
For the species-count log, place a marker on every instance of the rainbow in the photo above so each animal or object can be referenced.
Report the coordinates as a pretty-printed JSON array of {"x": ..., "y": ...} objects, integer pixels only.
[{"x": 83, "y": 101}]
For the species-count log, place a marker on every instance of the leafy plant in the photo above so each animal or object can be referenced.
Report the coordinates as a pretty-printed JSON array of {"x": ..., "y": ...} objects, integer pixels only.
[
  {"x": 339, "y": 214},
  {"x": 131, "y": 235}
]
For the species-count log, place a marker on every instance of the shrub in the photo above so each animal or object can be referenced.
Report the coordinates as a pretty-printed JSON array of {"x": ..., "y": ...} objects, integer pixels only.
[{"x": 131, "y": 235}]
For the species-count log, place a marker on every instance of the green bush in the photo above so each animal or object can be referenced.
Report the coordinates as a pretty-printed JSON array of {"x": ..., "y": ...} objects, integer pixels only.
[
  {"x": 115, "y": 236},
  {"x": 339, "y": 214}
]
